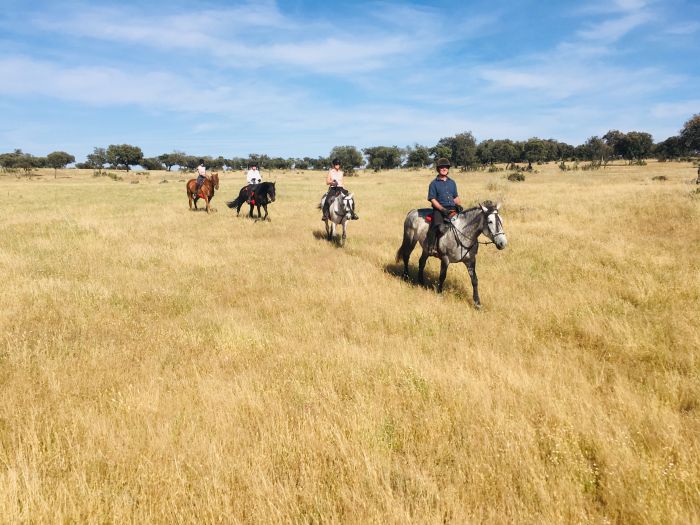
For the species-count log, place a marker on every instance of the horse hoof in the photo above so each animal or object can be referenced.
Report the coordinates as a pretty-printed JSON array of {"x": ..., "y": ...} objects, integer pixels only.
[{"x": 477, "y": 306}]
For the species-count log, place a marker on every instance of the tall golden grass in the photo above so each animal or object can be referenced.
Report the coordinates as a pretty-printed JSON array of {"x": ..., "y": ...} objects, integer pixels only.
[{"x": 159, "y": 365}]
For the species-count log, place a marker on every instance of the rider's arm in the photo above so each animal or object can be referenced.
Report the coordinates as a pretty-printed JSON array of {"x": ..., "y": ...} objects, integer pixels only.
[
  {"x": 458, "y": 202},
  {"x": 436, "y": 205},
  {"x": 329, "y": 179}
]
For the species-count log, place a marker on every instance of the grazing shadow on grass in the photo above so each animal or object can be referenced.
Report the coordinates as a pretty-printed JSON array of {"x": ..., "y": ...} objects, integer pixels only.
[
  {"x": 396, "y": 269},
  {"x": 321, "y": 236}
]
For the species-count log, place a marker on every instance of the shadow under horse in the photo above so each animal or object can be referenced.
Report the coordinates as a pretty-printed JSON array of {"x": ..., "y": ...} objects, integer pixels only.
[
  {"x": 256, "y": 195},
  {"x": 206, "y": 191}
]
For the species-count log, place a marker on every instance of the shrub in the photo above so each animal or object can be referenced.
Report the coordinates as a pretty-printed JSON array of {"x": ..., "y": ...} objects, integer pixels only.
[
  {"x": 660, "y": 177},
  {"x": 516, "y": 177}
]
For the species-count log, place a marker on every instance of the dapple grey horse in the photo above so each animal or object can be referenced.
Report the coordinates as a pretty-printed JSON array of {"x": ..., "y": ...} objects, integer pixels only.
[
  {"x": 339, "y": 213},
  {"x": 458, "y": 243}
]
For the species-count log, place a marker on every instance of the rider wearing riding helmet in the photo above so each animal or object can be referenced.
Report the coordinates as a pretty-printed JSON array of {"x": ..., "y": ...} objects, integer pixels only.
[
  {"x": 253, "y": 175},
  {"x": 443, "y": 196},
  {"x": 334, "y": 180}
]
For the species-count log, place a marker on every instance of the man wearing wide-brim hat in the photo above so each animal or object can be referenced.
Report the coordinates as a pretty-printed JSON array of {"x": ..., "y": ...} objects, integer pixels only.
[{"x": 443, "y": 196}]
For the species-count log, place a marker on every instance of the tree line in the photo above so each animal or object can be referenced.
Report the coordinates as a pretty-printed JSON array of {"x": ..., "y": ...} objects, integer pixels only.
[{"x": 462, "y": 150}]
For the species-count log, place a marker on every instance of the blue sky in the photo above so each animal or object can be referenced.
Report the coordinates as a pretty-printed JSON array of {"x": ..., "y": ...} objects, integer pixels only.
[{"x": 295, "y": 78}]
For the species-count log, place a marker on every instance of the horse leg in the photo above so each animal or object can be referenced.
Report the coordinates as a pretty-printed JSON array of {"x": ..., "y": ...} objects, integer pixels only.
[
  {"x": 344, "y": 236},
  {"x": 206, "y": 202},
  {"x": 421, "y": 265},
  {"x": 404, "y": 253},
  {"x": 265, "y": 208},
  {"x": 189, "y": 198},
  {"x": 444, "y": 263},
  {"x": 471, "y": 268},
  {"x": 250, "y": 213}
]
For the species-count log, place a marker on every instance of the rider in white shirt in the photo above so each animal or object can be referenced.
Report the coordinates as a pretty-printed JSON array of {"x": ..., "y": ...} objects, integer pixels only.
[
  {"x": 253, "y": 175},
  {"x": 334, "y": 180}
]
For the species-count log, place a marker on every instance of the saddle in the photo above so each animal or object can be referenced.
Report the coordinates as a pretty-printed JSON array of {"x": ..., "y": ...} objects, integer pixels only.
[{"x": 250, "y": 199}]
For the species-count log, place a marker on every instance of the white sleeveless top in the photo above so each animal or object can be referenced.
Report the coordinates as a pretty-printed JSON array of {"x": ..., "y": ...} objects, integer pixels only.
[{"x": 337, "y": 176}]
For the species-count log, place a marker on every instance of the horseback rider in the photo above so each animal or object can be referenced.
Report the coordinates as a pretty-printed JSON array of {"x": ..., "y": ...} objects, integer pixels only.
[
  {"x": 334, "y": 180},
  {"x": 443, "y": 196},
  {"x": 201, "y": 176},
  {"x": 253, "y": 177}
]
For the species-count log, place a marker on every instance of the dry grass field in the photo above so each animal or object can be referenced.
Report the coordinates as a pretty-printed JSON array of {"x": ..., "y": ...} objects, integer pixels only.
[{"x": 163, "y": 366}]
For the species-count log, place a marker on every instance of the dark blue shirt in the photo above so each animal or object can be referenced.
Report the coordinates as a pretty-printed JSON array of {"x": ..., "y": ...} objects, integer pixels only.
[{"x": 444, "y": 191}]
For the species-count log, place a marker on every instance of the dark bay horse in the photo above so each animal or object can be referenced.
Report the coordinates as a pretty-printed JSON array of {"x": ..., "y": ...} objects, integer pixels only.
[
  {"x": 206, "y": 192},
  {"x": 256, "y": 195},
  {"x": 458, "y": 243}
]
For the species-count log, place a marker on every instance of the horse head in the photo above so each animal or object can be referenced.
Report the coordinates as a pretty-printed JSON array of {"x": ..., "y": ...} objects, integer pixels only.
[
  {"x": 215, "y": 179},
  {"x": 492, "y": 225},
  {"x": 271, "y": 191},
  {"x": 348, "y": 204}
]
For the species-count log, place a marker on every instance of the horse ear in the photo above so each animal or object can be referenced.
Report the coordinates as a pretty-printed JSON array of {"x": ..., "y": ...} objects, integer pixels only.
[
  {"x": 483, "y": 208},
  {"x": 498, "y": 206}
]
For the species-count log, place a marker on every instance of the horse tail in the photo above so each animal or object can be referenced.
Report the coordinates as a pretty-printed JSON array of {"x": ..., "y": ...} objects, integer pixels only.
[
  {"x": 235, "y": 203},
  {"x": 409, "y": 238},
  {"x": 405, "y": 245}
]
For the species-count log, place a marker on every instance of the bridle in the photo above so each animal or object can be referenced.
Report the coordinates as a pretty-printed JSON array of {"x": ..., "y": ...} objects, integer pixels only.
[
  {"x": 458, "y": 235},
  {"x": 346, "y": 209}
]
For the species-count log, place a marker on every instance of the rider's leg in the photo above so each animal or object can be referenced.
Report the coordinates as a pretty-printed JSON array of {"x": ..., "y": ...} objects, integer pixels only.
[
  {"x": 200, "y": 181},
  {"x": 330, "y": 197},
  {"x": 435, "y": 224}
]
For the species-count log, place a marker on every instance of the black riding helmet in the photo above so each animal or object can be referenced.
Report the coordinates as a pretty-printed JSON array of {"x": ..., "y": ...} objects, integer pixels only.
[
  {"x": 442, "y": 162},
  {"x": 336, "y": 162}
]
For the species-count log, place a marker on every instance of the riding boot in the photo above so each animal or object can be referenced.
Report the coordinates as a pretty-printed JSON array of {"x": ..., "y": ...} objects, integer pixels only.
[{"x": 325, "y": 213}]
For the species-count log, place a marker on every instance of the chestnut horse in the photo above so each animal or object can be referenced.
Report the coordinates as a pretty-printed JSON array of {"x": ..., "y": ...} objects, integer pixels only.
[{"x": 206, "y": 192}]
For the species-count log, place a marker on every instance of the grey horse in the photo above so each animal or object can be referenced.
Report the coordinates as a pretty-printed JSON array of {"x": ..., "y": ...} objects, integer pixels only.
[
  {"x": 339, "y": 213},
  {"x": 459, "y": 242}
]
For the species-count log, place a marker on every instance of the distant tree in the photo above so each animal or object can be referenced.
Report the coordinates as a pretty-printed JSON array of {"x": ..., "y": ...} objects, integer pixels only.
[
  {"x": 58, "y": 160},
  {"x": 301, "y": 164},
  {"x": 638, "y": 145},
  {"x": 10, "y": 160},
  {"x": 596, "y": 150},
  {"x": 152, "y": 163},
  {"x": 97, "y": 159},
  {"x": 417, "y": 156},
  {"x": 671, "y": 148},
  {"x": 124, "y": 155},
  {"x": 27, "y": 162},
  {"x": 484, "y": 152},
  {"x": 616, "y": 140},
  {"x": 505, "y": 151},
  {"x": 176, "y": 158},
  {"x": 690, "y": 134},
  {"x": 236, "y": 163},
  {"x": 535, "y": 150},
  {"x": 383, "y": 157},
  {"x": 462, "y": 149},
  {"x": 440, "y": 151},
  {"x": 350, "y": 158},
  {"x": 262, "y": 160},
  {"x": 217, "y": 163},
  {"x": 320, "y": 163}
]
